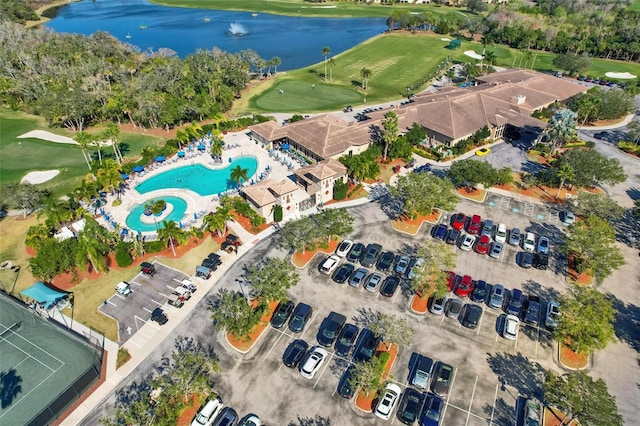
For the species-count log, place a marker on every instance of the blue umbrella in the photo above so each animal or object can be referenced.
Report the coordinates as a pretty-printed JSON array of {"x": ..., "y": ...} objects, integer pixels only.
[
  {"x": 138, "y": 169},
  {"x": 201, "y": 147},
  {"x": 125, "y": 231},
  {"x": 160, "y": 158},
  {"x": 230, "y": 160},
  {"x": 195, "y": 215},
  {"x": 124, "y": 176},
  {"x": 181, "y": 154},
  {"x": 180, "y": 224}
]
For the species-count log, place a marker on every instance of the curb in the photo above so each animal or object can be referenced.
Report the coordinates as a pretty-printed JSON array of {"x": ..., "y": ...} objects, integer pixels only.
[
  {"x": 413, "y": 311},
  {"x": 420, "y": 226},
  {"x": 556, "y": 356},
  {"x": 226, "y": 338},
  {"x": 484, "y": 197}
]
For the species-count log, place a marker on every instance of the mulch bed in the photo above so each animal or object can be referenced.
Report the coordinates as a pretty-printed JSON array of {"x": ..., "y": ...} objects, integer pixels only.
[
  {"x": 474, "y": 194},
  {"x": 244, "y": 343},
  {"x": 553, "y": 417},
  {"x": 301, "y": 259},
  {"x": 412, "y": 226},
  {"x": 190, "y": 412},
  {"x": 572, "y": 359},
  {"x": 574, "y": 277},
  {"x": 245, "y": 222},
  {"x": 365, "y": 402},
  {"x": 419, "y": 304}
]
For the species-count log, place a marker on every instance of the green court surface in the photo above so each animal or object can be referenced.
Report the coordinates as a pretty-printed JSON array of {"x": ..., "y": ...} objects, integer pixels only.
[{"x": 38, "y": 364}]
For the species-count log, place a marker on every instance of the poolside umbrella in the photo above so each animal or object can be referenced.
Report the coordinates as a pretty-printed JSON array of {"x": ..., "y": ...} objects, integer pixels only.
[
  {"x": 180, "y": 224},
  {"x": 285, "y": 146},
  {"x": 160, "y": 158},
  {"x": 230, "y": 160},
  {"x": 201, "y": 147},
  {"x": 181, "y": 154},
  {"x": 124, "y": 176},
  {"x": 125, "y": 231},
  {"x": 138, "y": 169},
  {"x": 195, "y": 215}
]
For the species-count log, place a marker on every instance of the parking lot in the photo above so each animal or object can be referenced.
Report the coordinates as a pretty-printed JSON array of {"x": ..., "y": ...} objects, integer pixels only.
[{"x": 147, "y": 293}]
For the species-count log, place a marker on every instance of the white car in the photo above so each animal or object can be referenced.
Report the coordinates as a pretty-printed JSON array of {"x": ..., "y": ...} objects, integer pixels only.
[
  {"x": 123, "y": 288},
  {"x": 208, "y": 413},
  {"x": 388, "y": 402},
  {"x": 553, "y": 314},
  {"x": 501, "y": 233},
  {"x": 468, "y": 242},
  {"x": 415, "y": 268},
  {"x": 511, "y": 327},
  {"x": 330, "y": 264},
  {"x": 250, "y": 420},
  {"x": 343, "y": 248},
  {"x": 529, "y": 242},
  {"x": 313, "y": 362},
  {"x": 568, "y": 218}
]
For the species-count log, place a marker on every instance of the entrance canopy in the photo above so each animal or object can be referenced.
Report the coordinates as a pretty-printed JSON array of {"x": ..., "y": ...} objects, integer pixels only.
[{"x": 43, "y": 294}]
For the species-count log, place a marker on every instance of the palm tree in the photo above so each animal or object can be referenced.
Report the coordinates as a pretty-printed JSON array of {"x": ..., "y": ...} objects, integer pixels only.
[
  {"x": 84, "y": 139},
  {"x": 275, "y": 61},
  {"x": 490, "y": 57},
  {"x": 365, "y": 73},
  {"x": 87, "y": 190},
  {"x": 332, "y": 63},
  {"x": 215, "y": 222},
  {"x": 359, "y": 167},
  {"x": 112, "y": 132},
  {"x": 561, "y": 129},
  {"x": 389, "y": 131},
  {"x": 216, "y": 147},
  {"x": 565, "y": 173},
  {"x": 325, "y": 52},
  {"x": 109, "y": 176},
  {"x": 239, "y": 175},
  {"x": 91, "y": 250},
  {"x": 170, "y": 234},
  {"x": 181, "y": 137},
  {"x": 37, "y": 235}
]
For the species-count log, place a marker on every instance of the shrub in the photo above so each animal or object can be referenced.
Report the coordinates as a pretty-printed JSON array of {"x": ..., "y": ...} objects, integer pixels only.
[
  {"x": 123, "y": 357},
  {"x": 123, "y": 254},
  {"x": 277, "y": 213},
  {"x": 590, "y": 144},
  {"x": 340, "y": 190},
  {"x": 154, "y": 246},
  {"x": 354, "y": 190},
  {"x": 629, "y": 147},
  {"x": 541, "y": 148},
  {"x": 116, "y": 203}
]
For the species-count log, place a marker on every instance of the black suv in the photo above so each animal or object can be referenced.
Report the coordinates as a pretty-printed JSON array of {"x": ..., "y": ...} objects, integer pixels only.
[
  {"x": 385, "y": 261},
  {"x": 355, "y": 253},
  {"x": 148, "y": 268},
  {"x": 300, "y": 317},
  {"x": 541, "y": 261},
  {"x": 294, "y": 353},
  {"x": 371, "y": 255},
  {"x": 159, "y": 316},
  {"x": 330, "y": 328},
  {"x": 368, "y": 346},
  {"x": 282, "y": 314}
]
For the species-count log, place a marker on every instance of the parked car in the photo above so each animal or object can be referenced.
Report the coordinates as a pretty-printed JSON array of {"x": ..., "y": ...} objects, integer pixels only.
[
  {"x": 474, "y": 225},
  {"x": 421, "y": 372},
  {"x": 525, "y": 259},
  {"x": 480, "y": 291},
  {"x": 250, "y": 420},
  {"x": 472, "y": 315},
  {"x": 529, "y": 242},
  {"x": 370, "y": 255},
  {"x": 373, "y": 281},
  {"x": 452, "y": 236},
  {"x": 389, "y": 286},
  {"x": 159, "y": 316},
  {"x": 437, "y": 305},
  {"x": 175, "y": 300},
  {"x": 532, "y": 413},
  {"x": 487, "y": 228},
  {"x": 294, "y": 353},
  {"x": 123, "y": 288},
  {"x": 368, "y": 346},
  {"x": 440, "y": 232},
  {"x": 453, "y": 308},
  {"x": 330, "y": 328},
  {"x": 358, "y": 277},
  {"x": 514, "y": 237},
  {"x": 532, "y": 310},
  {"x": 410, "y": 406},
  {"x": 543, "y": 245},
  {"x": 148, "y": 268},
  {"x": 345, "y": 389},
  {"x": 414, "y": 266},
  {"x": 501, "y": 233},
  {"x": 442, "y": 379},
  {"x": 300, "y": 316},
  {"x": 511, "y": 327},
  {"x": 342, "y": 273},
  {"x": 385, "y": 261},
  {"x": 227, "y": 417},
  {"x": 330, "y": 264},
  {"x": 497, "y": 296},
  {"x": 541, "y": 261},
  {"x": 355, "y": 253},
  {"x": 465, "y": 287},
  {"x": 343, "y": 248},
  {"x": 496, "y": 250},
  {"x": 482, "y": 246},
  {"x": 515, "y": 302},
  {"x": 568, "y": 218},
  {"x": 208, "y": 412},
  {"x": 281, "y": 314},
  {"x": 346, "y": 339},
  {"x": 402, "y": 264},
  {"x": 553, "y": 315},
  {"x": 458, "y": 220},
  {"x": 452, "y": 279},
  {"x": 387, "y": 403},
  {"x": 467, "y": 243},
  {"x": 432, "y": 411},
  {"x": 313, "y": 362}
]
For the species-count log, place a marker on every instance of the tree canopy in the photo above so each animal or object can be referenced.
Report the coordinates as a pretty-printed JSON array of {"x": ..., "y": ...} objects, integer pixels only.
[
  {"x": 586, "y": 323},
  {"x": 599, "y": 204},
  {"x": 472, "y": 172},
  {"x": 430, "y": 278},
  {"x": 393, "y": 329},
  {"x": 591, "y": 168},
  {"x": 586, "y": 399},
  {"x": 272, "y": 278},
  {"x": 234, "y": 314},
  {"x": 309, "y": 232},
  {"x": 420, "y": 193}
]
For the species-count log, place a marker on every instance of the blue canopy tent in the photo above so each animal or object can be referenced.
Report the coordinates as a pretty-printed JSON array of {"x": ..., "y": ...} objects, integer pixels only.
[
  {"x": 160, "y": 158},
  {"x": 285, "y": 146},
  {"x": 181, "y": 154},
  {"x": 201, "y": 147},
  {"x": 138, "y": 169},
  {"x": 44, "y": 294}
]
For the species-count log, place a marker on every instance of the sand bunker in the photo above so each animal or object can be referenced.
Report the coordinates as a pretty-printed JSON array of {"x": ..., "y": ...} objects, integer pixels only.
[
  {"x": 620, "y": 75},
  {"x": 48, "y": 136},
  {"x": 39, "y": 177},
  {"x": 472, "y": 54},
  {"x": 445, "y": 39}
]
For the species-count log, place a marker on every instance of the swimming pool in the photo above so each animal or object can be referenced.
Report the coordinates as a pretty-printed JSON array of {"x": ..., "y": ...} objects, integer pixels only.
[
  {"x": 134, "y": 220},
  {"x": 198, "y": 178}
]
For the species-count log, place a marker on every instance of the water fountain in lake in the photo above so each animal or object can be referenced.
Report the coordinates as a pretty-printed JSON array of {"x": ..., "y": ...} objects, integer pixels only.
[{"x": 236, "y": 29}]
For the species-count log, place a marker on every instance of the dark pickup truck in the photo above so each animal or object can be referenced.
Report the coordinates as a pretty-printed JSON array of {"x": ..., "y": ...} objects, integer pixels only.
[
  {"x": 231, "y": 243},
  {"x": 532, "y": 312}
]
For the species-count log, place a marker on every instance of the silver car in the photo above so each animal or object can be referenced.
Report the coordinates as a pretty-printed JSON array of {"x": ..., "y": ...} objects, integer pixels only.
[
  {"x": 372, "y": 282},
  {"x": 497, "y": 296},
  {"x": 358, "y": 277},
  {"x": 467, "y": 242},
  {"x": 514, "y": 237},
  {"x": 496, "y": 250},
  {"x": 437, "y": 305}
]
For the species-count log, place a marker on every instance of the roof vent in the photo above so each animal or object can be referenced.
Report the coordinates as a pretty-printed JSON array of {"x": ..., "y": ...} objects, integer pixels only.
[{"x": 518, "y": 99}]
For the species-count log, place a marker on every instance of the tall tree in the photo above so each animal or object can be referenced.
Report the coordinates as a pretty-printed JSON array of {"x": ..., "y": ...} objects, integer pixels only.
[
  {"x": 170, "y": 234},
  {"x": 561, "y": 129},
  {"x": 332, "y": 63},
  {"x": 334, "y": 222},
  {"x": 233, "y": 314},
  {"x": 591, "y": 167},
  {"x": 598, "y": 204},
  {"x": 84, "y": 140},
  {"x": 389, "y": 131},
  {"x": 419, "y": 193},
  {"x": 586, "y": 399},
  {"x": 565, "y": 173},
  {"x": 239, "y": 175},
  {"x": 429, "y": 277},
  {"x": 393, "y": 329},
  {"x": 272, "y": 278},
  {"x": 326, "y": 51},
  {"x": 112, "y": 133},
  {"x": 365, "y": 73}
]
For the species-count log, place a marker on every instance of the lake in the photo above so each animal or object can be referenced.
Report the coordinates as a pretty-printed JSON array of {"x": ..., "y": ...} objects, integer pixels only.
[{"x": 297, "y": 41}]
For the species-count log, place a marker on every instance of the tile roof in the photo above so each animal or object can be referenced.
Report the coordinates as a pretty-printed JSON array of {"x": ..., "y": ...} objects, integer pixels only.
[
  {"x": 267, "y": 191},
  {"x": 323, "y": 170}
]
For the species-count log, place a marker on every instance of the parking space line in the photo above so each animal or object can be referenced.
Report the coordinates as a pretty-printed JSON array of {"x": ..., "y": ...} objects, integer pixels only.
[
  {"x": 118, "y": 295},
  {"x": 156, "y": 302},
  {"x": 395, "y": 296},
  {"x": 535, "y": 353},
  {"x": 326, "y": 364},
  {"x": 273, "y": 346},
  {"x": 133, "y": 341},
  {"x": 473, "y": 392},
  {"x": 453, "y": 379},
  {"x": 162, "y": 294},
  {"x": 307, "y": 326},
  {"x": 528, "y": 209},
  {"x": 133, "y": 282},
  {"x": 493, "y": 407},
  {"x": 480, "y": 323},
  {"x": 110, "y": 302},
  {"x": 146, "y": 309}
]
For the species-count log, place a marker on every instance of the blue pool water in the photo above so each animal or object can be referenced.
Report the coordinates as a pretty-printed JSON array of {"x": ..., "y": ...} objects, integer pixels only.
[
  {"x": 135, "y": 224},
  {"x": 198, "y": 178}
]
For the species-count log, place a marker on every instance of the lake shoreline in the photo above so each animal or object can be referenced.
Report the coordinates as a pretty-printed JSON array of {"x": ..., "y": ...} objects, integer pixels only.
[{"x": 42, "y": 9}]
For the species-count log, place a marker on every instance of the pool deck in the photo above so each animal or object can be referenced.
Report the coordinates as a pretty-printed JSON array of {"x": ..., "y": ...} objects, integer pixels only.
[{"x": 236, "y": 144}]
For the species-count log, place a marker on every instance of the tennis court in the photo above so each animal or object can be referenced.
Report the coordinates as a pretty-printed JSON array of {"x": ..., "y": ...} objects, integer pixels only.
[{"x": 42, "y": 367}]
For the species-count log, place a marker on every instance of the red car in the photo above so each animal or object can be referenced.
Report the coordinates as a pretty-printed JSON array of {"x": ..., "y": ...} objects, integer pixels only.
[
  {"x": 451, "y": 280},
  {"x": 482, "y": 245},
  {"x": 465, "y": 287},
  {"x": 474, "y": 225},
  {"x": 458, "y": 221}
]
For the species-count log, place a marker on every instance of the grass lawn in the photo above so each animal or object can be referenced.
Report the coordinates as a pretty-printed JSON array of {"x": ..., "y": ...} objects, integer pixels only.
[
  {"x": 304, "y": 8},
  {"x": 20, "y": 156},
  {"x": 397, "y": 61}
]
